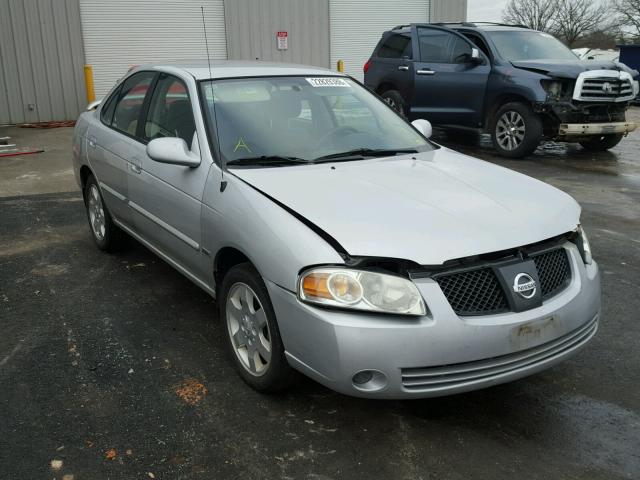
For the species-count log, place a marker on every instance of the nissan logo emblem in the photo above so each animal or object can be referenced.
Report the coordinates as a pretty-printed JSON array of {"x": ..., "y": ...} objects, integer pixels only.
[{"x": 524, "y": 285}]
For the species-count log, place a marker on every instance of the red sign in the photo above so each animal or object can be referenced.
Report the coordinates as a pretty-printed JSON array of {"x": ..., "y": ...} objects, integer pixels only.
[{"x": 283, "y": 40}]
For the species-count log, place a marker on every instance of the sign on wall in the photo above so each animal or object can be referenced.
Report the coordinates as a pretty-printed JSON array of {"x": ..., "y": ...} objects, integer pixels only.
[{"x": 283, "y": 40}]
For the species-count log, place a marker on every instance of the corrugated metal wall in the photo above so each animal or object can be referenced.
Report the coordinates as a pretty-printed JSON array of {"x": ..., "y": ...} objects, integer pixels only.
[
  {"x": 122, "y": 33},
  {"x": 41, "y": 61},
  {"x": 449, "y": 10},
  {"x": 252, "y": 26},
  {"x": 357, "y": 25}
]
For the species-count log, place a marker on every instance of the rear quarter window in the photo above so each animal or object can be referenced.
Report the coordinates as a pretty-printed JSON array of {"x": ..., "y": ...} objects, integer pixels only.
[{"x": 396, "y": 46}]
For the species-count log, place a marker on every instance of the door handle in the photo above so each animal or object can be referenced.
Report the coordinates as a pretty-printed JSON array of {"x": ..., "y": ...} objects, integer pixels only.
[
  {"x": 92, "y": 141},
  {"x": 136, "y": 165},
  {"x": 425, "y": 72},
  {"x": 403, "y": 67}
]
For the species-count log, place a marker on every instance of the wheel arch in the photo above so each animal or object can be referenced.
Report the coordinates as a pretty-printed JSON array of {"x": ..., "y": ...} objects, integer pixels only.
[
  {"x": 385, "y": 87},
  {"x": 85, "y": 173},
  {"x": 498, "y": 102},
  {"x": 226, "y": 258}
]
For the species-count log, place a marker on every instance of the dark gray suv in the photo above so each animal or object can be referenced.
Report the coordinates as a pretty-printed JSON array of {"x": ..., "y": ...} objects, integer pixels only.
[{"x": 518, "y": 84}]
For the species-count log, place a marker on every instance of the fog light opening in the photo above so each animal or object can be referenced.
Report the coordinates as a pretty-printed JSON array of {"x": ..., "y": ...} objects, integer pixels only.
[{"x": 369, "y": 380}]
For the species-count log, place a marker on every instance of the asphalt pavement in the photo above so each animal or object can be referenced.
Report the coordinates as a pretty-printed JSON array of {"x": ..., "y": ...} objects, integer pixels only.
[{"x": 113, "y": 367}]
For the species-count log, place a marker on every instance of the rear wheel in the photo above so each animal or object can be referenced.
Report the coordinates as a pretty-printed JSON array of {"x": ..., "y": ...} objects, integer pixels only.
[
  {"x": 516, "y": 130},
  {"x": 105, "y": 233},
  {"x": 253, "y": 338},
  {"x": 601, "y": 142},
  {"x": 394, "y": 100}
]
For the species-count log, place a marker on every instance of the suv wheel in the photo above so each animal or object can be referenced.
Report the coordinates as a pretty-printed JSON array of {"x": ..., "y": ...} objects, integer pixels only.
[
  {"x": 516, "y": 131},
  {"x": 394, "y": 100},
  {"x": 253, "y": 338},
  {"x": 602, "y": 143}
]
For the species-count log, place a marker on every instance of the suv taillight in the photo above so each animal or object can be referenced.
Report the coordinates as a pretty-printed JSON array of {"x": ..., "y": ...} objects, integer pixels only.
[{"x": 366, "y": 66}]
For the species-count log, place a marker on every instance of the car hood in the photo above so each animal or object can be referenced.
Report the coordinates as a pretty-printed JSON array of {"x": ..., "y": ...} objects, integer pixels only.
[
  {"x": 564, "y": 69},
  {"x": 427, "y": 208}
]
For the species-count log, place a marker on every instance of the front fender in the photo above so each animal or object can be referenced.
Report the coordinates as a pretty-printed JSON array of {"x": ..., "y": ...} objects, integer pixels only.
[{"x": 278, "y": 244}]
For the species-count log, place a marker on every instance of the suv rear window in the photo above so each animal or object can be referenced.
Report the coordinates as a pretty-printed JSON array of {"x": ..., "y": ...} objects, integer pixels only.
[{"x": 396, "y": 46}]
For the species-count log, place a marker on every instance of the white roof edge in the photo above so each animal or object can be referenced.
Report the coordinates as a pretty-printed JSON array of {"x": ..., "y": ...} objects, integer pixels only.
[{"x": 236, "y": 68}]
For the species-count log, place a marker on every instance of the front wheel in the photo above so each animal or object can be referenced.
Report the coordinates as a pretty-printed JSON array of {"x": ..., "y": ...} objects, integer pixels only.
[
  {"x": 602, "y": 142},
  {"x": 516, "y": 130},
  {"x": 253, "y": 338}
]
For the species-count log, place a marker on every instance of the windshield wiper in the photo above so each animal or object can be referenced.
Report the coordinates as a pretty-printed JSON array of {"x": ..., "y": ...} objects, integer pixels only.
[
  {"x": 268, "y": 160},
  {"x": 363, "y": 152}
]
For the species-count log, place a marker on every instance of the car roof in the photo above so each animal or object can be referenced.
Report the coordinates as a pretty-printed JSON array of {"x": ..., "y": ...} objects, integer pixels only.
[{"x": 236, "y": 68}]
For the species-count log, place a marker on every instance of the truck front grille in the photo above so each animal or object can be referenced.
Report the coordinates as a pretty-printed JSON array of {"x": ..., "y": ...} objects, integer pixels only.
[
  {"x": 478, "y": 291},
  {"x": 616, "y": 87}
]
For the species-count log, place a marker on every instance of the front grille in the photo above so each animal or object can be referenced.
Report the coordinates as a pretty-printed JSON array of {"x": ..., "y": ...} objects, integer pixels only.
[
  {"x": 604, "y": 89},
  {"x": 554, "y": 271},
  {"x": 447, "y": 377},
  {"x": 478, "y": 291},
  {"x": 474, "y": 292}
]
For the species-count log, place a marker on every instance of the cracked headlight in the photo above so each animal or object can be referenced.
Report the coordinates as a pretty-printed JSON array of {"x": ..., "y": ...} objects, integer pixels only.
[
  {"x": 553, "y": 88},
  {"x": 583, "y": 245},
  {"x": 361, "y": 290}
]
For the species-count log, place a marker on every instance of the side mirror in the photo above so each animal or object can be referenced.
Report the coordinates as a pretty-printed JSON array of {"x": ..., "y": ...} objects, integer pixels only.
[
  {"x": 423, "y": 126},
  {"x": 172, "y": 150},
  {"x": 93, "y": 105},
  {"x": 475, "y": 57}
]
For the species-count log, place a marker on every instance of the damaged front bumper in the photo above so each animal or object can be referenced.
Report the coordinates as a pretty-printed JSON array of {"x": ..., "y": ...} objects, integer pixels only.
[{"x": 590, "y": 129}]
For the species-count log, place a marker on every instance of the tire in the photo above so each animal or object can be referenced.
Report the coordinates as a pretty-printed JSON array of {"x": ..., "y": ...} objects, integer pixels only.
[
  {"x": 252, "y": 338},
  {"x": 105, "y": 233},
  {"x": 394, "y": 100},
  {"x": 524, "y": 139},
  {"x": 602, "y": 142}
]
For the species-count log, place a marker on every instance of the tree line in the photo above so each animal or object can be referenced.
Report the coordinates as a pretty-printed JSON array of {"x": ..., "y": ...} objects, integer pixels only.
[{"x": 579, "y": 23}]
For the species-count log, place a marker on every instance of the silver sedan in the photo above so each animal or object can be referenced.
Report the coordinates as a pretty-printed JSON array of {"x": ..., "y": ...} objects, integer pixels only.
[{"x": 338, "y": 240}]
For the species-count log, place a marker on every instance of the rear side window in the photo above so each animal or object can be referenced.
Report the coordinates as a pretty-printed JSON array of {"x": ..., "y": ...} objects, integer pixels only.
[
  {"x": 396, "y": 46},
  {"x": 130, "y": 101},
  {"x": 106, "y": 113},
  {"x": 439, "y": 46}
]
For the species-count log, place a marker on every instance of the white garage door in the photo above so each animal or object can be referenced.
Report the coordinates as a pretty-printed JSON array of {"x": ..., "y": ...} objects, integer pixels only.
[
  {"x": 356, "y": 27},
  {"x": 121, "y": 33}
]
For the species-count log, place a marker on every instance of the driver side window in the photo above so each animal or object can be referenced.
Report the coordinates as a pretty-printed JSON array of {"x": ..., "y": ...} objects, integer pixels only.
[
  {"x": 440, "y": 46},
  {"x": 170, "y": 113}
]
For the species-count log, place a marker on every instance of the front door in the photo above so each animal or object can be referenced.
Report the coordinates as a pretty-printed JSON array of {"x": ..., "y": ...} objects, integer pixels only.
[
  {"x": 165, "y": 199},
  {"x": 449, "y": 86}
]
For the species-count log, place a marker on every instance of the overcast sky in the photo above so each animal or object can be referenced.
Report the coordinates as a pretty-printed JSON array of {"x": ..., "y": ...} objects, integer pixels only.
[{"x": 485, "y": 10}]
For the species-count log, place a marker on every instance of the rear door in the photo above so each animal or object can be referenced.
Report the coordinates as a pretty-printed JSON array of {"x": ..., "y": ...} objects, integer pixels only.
[
  {"x": 391, "y": 67},
  {"x": 449, "y": 87},
  {"x": 111, "y": 142}
]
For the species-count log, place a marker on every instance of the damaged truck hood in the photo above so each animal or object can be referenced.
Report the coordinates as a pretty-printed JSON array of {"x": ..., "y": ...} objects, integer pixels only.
[
  {"x": 428, "y": 208},
  {"x": 564, "y": 69}
]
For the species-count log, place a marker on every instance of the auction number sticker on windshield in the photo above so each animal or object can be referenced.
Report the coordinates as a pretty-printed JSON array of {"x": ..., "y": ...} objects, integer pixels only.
[{"x": 327, "y": 82}]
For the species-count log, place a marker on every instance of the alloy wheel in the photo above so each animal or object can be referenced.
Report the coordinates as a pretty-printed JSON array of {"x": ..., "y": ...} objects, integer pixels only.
[
  {"x": 96, "y": 213},
  {"x": 510, "y": 130},
  {"x": 248, "y": 329}
]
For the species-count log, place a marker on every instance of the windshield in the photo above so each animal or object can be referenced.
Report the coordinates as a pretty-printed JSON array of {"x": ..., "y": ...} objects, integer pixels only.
[
  {"x": 530, "y": 45},
  {"x": 301, "y": 119}
]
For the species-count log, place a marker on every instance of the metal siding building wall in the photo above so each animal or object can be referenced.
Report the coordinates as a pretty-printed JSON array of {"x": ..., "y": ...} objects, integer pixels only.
[
  {"x": 357, "y": 25},
  {"x": 252, "y": 25},
  {"x": 41, "y": 61},
  {"x": 121, "y": 33},
  {"x": 449, "y": 11}
]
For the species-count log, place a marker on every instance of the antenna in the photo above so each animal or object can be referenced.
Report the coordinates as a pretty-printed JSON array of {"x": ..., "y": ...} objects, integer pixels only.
[{"x": 206, "y": 41}]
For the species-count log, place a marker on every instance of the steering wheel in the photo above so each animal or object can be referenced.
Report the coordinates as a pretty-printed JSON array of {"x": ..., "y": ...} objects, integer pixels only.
[{"x": 336, "y": 132}]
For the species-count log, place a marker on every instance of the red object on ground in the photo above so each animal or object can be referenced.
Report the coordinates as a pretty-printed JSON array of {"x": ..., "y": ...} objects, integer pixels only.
[
  {"x": 20, "y": 152},
  {"x": 69, "y": 123}
]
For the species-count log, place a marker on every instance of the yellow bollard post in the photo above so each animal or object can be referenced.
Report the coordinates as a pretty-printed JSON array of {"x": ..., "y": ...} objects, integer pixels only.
[
  {"x": 341, "y": 66},
  {"x": 88, "y": 82}
]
